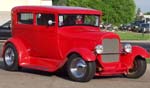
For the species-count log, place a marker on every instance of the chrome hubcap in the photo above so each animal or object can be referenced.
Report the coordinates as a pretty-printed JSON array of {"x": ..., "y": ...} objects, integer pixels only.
[
  {"x": 9, "y": 56},
  {"x": 78, "y": 68}
]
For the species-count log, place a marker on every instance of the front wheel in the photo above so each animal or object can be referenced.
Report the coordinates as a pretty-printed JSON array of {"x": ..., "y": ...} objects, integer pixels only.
[
  {"x": 80, "y": 70},
  {"x": 138, "y": 69}
]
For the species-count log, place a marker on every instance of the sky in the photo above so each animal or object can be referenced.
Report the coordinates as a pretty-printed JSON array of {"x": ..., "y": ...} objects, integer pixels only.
[{"x": 143, "y": 4}]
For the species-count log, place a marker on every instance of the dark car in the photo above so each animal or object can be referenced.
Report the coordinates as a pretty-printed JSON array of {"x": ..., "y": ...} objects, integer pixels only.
[
  {"x": 145, "y": 28},
  {"x": 125, "y": 27},
  {"x": 136, "y": 26},
  {"x": 5, "y": 31}
]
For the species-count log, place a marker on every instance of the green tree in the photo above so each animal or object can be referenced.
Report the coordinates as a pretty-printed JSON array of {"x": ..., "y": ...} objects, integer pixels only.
[
  {"x": 147, "y": 13},
  {"x": 118, "y": 11},
  {"x": 115, "y": 11},
  {"x": 59, "y": 2}
]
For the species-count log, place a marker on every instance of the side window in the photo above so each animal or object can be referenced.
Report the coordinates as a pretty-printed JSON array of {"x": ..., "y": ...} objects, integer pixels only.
[
  {"x": 42, "y": 19},
  {"x": 25, "y": 18}
]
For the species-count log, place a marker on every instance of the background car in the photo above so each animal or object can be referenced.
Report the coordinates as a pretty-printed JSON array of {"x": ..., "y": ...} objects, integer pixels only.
[
  {"x": 5, "y": 30},
  {"x": 108, "y": 26},
  {"x": 125, "y": 27},
  {"x": 136, "y": 26},
  {"x": 145, "y": 28}
]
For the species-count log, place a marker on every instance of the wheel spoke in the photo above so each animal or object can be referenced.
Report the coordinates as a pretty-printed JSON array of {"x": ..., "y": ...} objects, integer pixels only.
[
  {"x": 74, "y": 69},
  {"x": 78, "y": 68},
  {"x": 9, "y": 56}
]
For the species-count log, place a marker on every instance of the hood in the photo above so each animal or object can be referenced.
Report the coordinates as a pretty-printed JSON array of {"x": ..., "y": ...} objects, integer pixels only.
[{"x": 88, "y": 33}]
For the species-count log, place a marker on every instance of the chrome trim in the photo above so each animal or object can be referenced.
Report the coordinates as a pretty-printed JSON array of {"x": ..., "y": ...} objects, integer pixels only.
[
  {"x": 111, "y": 50},
  {"x": 78, "y": 68},
  {"x": 9, "y": 56}
]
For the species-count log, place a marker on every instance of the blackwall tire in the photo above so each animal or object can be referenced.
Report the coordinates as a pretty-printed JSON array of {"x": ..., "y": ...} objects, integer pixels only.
[
  {"x": 80, "y": 70},
  {"x": 10, "y": 58},
  {"x": 138, "y": 69}
]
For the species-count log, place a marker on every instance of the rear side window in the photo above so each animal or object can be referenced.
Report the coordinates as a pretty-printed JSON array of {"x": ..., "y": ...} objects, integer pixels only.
[{"x": 25, "y": 18}]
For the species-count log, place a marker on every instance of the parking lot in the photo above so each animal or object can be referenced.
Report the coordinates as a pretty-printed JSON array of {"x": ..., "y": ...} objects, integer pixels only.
[{"x": 27, "y": 78}]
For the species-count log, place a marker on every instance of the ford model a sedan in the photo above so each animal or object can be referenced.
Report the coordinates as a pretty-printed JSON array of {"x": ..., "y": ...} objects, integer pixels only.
[{"x": 49, "y": 38}]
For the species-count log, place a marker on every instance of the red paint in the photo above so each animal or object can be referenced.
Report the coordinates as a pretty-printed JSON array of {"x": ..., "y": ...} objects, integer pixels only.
[{"x": 47, "y": 47}]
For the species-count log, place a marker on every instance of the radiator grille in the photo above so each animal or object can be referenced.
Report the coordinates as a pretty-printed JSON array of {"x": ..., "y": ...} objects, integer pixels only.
[{"x": 111, "y": 50}]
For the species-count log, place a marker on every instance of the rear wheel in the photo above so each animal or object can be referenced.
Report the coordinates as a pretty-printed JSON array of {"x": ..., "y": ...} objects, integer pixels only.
[
  {"x": 10, "y": 58},
  {"x": 80, "y": 70},
  {"x": 138, "y": 69}
]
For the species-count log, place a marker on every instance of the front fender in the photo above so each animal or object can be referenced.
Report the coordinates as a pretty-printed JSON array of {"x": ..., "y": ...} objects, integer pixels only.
[
  {"x": 139, "y": 51},
  {"x": 129, "y": 58},
  {"x": 86, "y": 54},
  {"x": 21, "y": 49}
]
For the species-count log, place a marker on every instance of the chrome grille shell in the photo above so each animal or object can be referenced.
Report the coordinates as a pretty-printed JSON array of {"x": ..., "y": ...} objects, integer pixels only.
[{"x": 111, "y": 50}]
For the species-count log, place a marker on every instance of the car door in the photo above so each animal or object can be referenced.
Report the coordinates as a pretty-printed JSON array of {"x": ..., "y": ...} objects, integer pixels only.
[
  {"x": 24, "y": 29},
  {"x": 45, "y": 39}
]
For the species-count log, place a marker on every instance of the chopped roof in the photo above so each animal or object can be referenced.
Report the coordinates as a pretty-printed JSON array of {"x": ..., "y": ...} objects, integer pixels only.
[{"x": 59, "y": 9}]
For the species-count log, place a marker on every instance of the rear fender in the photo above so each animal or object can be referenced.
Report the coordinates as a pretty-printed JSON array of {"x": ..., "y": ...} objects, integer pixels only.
[
  {"x": 21, "y": 49},
  {"x": 86, "y": 54}
]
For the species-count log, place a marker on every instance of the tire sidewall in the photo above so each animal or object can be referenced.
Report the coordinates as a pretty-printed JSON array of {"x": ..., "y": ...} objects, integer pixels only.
[{"x": 140, "y": 70}]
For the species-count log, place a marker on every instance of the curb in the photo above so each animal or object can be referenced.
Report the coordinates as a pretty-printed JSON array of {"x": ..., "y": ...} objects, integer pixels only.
[{"x": 136, "y": 41}]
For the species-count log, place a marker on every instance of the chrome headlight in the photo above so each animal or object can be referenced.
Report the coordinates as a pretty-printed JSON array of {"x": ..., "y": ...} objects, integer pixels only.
[
  {"x": 128, "y": 48},
  {"x": 99, "y": 49}
]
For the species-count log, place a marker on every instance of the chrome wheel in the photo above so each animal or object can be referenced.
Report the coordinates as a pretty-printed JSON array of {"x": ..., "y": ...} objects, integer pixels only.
[
  {"x": 9, "y": 56},
  {"x": 78, "y": 68}
]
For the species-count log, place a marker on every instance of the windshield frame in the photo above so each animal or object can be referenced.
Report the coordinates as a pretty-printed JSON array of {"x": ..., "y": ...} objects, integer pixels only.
[{"x": 99, "y": 17}]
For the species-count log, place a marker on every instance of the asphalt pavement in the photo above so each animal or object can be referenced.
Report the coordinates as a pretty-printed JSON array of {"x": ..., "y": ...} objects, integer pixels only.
[{"x": 27, "y": 78}]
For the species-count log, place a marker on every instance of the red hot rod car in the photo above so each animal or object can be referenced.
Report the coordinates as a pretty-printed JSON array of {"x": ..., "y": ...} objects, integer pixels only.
[{"x": 49, "y": 38}]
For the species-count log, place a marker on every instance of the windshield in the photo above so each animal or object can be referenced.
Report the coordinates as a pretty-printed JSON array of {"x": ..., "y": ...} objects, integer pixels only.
[{"x": 83, "y": 20}]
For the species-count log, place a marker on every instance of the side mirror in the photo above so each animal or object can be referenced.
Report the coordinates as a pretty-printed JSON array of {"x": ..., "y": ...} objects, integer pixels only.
[{"x": 50, "y": 22}]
